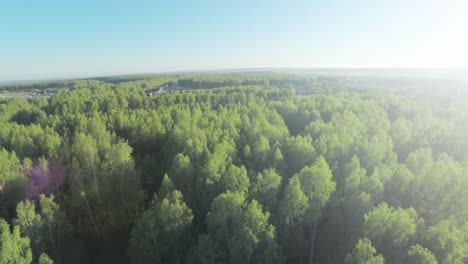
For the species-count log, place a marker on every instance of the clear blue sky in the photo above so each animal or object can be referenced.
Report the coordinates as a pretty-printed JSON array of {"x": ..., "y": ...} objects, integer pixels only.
[{"x": 58, "y": 39}]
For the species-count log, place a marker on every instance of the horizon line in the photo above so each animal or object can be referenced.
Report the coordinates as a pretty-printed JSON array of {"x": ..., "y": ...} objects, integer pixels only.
[{"x": 224, "y": 70}]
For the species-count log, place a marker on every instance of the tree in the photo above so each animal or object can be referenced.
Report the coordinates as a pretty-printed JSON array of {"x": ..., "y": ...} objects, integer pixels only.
[
  {"x": 364, "y": 252},
  {"x": 420, "y": 160},
  {"x": 260, "y": 154},
  {"x": 265, "y": 189},
  {"x": 105, "y": 188},
  {"x": 347, "y": 209},
  {"x": 47, "y": 227},
  {"x": 44, "y": 177},
  {"x": 234, "y": 179},
  {"x": 214, "y": 167},
  {"x": 44, "y": 259},
  {"x": 448, "y": 242},
  {"x": 398, "y": 187},
  {"x": 238, "y": 232},
  {"x": 30, "y": 224},
  {"x": 205, "y": 252},
  {"x": 182, "y": 173},
  {"x": 298, "y": 152},
  {"x": 303, "y": 200},
  {"x": 318, "y": 185},
  {"x": 157, "y": 235},
  {"x": 293, "y": 207},
  {"x": 360, "y": 191},
  {"x": 420, "y": 255},
  {"x": 293, "y": 204},
  {"x": 167, "y": 187},
  {"x": 9, "y": 167},
  {"x": 278, "y": 160},
  {"x": 390, "y": 230},
  {"x": 15, "y": 191},
  {"x": 13, "y": 247}
]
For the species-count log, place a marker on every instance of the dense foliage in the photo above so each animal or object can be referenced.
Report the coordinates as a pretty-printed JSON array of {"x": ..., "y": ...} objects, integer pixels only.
[{"x": 266, "y": 170}]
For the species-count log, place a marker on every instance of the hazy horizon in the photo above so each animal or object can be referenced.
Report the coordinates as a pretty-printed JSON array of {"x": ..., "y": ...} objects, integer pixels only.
[{"x": 430, "y": 73}]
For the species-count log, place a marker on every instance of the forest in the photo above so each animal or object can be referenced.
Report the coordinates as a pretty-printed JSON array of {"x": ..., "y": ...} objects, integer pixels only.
[{"x": 241, "y": 168}]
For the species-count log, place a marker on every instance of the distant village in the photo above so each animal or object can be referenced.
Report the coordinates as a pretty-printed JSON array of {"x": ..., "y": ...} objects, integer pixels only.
[{"x": 168, "y": 87}]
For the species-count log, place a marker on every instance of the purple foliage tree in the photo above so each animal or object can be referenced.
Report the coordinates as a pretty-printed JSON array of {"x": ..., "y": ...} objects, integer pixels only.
[{"x": 45, "y": 178}]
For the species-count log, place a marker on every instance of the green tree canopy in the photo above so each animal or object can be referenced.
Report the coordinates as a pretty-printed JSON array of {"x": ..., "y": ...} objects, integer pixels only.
[
  {"x": 364, "y": 252},
  {"x": 420, "y": 255},
  {"x": 157, "y": 235},
  {"x": 390, "y": 230},
  {"x": 13, "y": 247}
]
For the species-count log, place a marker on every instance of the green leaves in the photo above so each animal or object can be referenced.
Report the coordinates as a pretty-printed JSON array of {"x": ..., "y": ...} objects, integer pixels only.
[
  {"x": 31, "y": 225},
  {"x": 9, "y": 167},
  {"x": 13, "y": 247},
  {"x": 304, "y": 198},
  {"x": 294, "y": 203},
  {"x": 298, "y": 152},
  {"x": 317, "y": 184},
  {"x": 157, "y": 235},
  {"x": 235, "y": 179},
  {"x": 240, "y": 232},
  {"x": 390, "y": 230},
  {"x": 420, "y": 255},
  {"x": 309, "y": 190},
  {"x": 105, "y": 187},
  {"x": 364, "y": 252},
  {"x": 44, "y": 259},
  {"x": 46, "y": 226},
  {"x": 265, "y": 189},
  {"x": 448, "y": 242}
]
